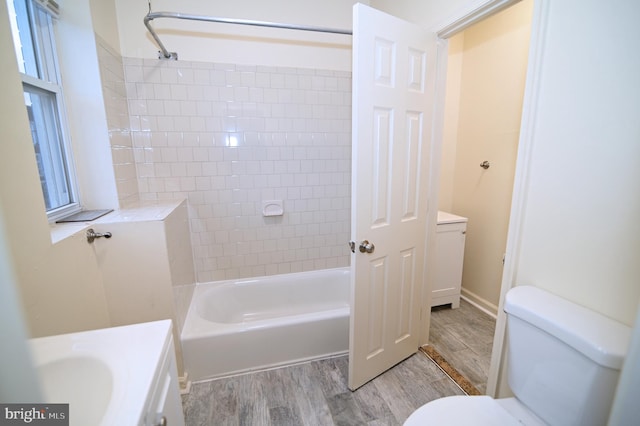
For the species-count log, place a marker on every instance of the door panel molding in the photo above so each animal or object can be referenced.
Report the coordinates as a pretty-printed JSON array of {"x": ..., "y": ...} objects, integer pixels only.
[{"x": 392, "y": 99}]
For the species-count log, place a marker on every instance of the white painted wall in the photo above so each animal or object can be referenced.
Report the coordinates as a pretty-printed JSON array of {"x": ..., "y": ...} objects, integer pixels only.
[
  {"x": 451, "y": 122},
  {"x": 19, "y": 380},
  {"x": 214, "y": 42},
  {"x": 87, "y": 120},
  {"x": 105, "y": 22},
  {"x": 482, "y": 123},
  {"x": 581, "y": 234}
]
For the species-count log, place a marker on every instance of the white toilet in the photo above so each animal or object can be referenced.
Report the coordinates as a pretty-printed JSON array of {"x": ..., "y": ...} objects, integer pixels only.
[{"x": 564, "y": 363}]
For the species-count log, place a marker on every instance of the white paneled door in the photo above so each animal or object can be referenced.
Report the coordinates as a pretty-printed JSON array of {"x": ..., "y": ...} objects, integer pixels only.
[{"x": 394, "y": 79}]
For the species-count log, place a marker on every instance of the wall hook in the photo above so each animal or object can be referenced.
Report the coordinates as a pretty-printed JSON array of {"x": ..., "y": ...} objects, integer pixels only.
[
  {"x": 92, "y": 235},
  {"x": 485, "y": 164}
]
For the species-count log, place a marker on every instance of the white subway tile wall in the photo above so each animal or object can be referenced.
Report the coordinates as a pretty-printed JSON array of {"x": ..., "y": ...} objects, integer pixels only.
[
  {"x": 115, "y": 102},
  {"x": 228, "y": 137}
]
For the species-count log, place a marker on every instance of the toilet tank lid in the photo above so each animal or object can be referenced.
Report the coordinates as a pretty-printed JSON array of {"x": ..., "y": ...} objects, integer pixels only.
[{"x": 600, "y": 338}]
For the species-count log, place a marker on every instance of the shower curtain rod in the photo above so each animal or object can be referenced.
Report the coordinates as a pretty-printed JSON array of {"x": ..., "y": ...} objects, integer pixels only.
[{"x": 165, "y": 54}]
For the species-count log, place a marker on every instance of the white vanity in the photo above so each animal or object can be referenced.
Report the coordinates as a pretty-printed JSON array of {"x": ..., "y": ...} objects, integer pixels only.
[
  {"x": 451, "y": 230},
  {"x": 114, "y": 376}
]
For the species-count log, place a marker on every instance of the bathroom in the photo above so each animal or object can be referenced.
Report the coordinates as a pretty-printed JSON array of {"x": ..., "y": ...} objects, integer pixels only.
[{"x": 59, "y": 298}]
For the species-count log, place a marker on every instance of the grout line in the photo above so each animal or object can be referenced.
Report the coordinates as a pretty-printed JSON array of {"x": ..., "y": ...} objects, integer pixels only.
[{"x": 462, "y": 382}]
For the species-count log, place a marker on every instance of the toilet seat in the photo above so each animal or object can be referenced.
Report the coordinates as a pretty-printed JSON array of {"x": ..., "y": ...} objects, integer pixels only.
[{"x": 462, "y": 410}]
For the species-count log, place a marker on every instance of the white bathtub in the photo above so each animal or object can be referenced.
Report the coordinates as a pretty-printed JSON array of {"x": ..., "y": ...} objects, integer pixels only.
[{"x": 253, "y": 324}]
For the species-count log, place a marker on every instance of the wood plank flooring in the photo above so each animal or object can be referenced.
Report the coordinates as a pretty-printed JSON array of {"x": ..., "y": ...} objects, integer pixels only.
[
  {"x": 316, "y": 393},
  {"x": 464, "y": 337}
]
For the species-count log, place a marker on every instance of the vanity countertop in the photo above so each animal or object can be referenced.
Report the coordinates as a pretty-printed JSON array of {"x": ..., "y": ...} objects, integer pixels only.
[
  {"x": 444, "y": 217},
  {"x": 104, "y": 375}
]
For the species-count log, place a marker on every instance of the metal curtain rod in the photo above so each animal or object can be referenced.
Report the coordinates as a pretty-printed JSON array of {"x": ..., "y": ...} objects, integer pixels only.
[{"x": 165, "y": 54}]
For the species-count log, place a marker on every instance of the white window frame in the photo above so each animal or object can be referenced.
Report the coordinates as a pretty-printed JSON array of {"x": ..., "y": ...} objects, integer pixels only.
[{"x": 44, "y": 40}]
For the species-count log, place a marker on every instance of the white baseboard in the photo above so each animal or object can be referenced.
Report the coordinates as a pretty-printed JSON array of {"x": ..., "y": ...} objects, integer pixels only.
[
  {"x": 185, "y": 384},
  {"x": 480, "y": 303}
]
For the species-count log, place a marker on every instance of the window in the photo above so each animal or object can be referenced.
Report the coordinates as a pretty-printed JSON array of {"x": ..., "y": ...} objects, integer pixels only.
[{"x": 32, "y": 28}]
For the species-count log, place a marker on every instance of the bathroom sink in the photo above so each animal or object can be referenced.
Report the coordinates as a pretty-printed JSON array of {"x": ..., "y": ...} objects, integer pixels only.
[
  {"x": 104, "y": 375},
  {"x": 85, "y": 383}
]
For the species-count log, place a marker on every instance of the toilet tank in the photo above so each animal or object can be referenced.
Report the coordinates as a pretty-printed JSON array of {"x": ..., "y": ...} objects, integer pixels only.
[{"x": 564, "y": 360}]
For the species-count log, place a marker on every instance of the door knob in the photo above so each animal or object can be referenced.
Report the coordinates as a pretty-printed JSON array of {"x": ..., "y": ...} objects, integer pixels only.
[{"x": 367, "y": 247}]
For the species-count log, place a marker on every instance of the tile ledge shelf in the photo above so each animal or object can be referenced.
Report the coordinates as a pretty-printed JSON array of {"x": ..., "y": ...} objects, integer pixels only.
[{"x": 139, "y": 211}]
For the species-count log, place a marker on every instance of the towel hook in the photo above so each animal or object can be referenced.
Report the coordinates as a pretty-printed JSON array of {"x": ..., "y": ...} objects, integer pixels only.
[{"x": 92, "y": 235}]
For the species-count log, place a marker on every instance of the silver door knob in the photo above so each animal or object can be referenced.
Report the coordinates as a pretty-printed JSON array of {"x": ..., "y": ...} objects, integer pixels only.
[{"x": 367, "y": 247}]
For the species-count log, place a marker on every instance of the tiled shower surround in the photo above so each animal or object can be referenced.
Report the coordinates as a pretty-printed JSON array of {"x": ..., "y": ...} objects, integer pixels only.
[
  {"x": 228, "y": 137},
  {"x": 115, "y": 101}
]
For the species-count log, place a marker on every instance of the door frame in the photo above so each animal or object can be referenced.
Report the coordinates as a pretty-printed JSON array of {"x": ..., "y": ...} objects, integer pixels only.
[{"x": 466, "y": 17}]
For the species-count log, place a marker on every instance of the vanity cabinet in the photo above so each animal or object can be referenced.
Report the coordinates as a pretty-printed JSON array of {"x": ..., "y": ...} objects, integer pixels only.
[
  {"x": 450, "y": 238},
  {"x": 164, "y": 406}
]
